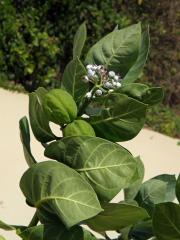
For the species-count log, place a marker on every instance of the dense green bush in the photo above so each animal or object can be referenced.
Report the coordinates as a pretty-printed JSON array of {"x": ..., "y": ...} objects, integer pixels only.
[{"x": 36, "y": 37}]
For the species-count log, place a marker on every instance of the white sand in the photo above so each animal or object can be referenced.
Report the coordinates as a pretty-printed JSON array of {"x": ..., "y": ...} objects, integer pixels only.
[{"x": 159, "y": 153}]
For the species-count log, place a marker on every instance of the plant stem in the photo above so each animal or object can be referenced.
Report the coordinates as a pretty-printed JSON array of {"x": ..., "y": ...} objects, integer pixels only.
[{"x": 34, "y": 220}]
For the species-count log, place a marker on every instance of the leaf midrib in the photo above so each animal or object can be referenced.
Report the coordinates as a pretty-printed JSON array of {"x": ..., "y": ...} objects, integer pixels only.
[
  {"x": 38, "y": 203},
  {"x": 104, "y": 167}
]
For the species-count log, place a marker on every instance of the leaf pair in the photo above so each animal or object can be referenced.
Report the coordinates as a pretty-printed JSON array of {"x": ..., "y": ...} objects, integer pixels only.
[{"x": 107, "y": 166}]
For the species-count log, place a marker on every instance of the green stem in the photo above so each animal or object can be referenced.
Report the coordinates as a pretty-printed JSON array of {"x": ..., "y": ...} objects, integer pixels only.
[{"x": 34, "y": 221}]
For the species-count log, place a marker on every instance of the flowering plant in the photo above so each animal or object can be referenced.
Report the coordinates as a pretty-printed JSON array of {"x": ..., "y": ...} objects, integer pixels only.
[{"x": 97, "y": 105}]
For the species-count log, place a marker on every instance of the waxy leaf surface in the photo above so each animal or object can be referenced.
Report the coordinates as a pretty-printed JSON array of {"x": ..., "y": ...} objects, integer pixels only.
[
  {"x": 118, "y": 50},
  {"x": 166, "y": 221},
  {"x": 79, "y": 40},
  {"x": 60, "y": 190},
  {"x": 137, "y": 67},
  {"x": 107, "y": 166},
  {"x": 117, "y": 216},
  {"x": 143, "y": 93},
  {"x": 38, "y": 119},
  {"x": 120, "y": 119},
  {"x": 72, "y": 80},
  {"x": 25, "y": 139}
]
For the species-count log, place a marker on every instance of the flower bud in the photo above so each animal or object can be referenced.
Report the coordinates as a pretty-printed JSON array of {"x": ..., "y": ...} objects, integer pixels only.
[
  {"x": 118, "y": 84},
  {"x": 59, "y": 106},
  {"x": 91, "y": 73},
  {"x": 88, "y": 94},
  {"x": 116, "y": 78},
  {"x": 112, "y": 74},
  {"x": 99, "y": 92},
  {"x": 86, "y": 79},
  {"x": 108, "y": 85},
  {"x": 89, "y": 66},
  {"x": 78, "y": 128}
]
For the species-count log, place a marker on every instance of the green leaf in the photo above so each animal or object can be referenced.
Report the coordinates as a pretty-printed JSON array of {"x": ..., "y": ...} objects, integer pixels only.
[
  {"x": 60, "y": 190},
  {"x": 79, "y": 40},
  {"x": 151, "y": 192},
  {"x": 25, "y": 139},
  {"x": 142, "y": 230},
  {"x": 107, "y": 166},
  {"x": 72, "y": 80},
  {"x": 116, "y": 216},
  {"x": 142, "y": 93},
  {"x": 120, "y": 119},
  {"x": 38, "y": 119},
  {"x": 170, "y": 181},
  {"x": 178, "y": 189},
  {"x": 132, "y": 191},
  {"x": 51, "y": 232},
  {"x": 166, "y": 221},
  {"x": 137, "y": 67},
  {"x": 6, "y": 226},
  {"x": 118, "y": 50}
]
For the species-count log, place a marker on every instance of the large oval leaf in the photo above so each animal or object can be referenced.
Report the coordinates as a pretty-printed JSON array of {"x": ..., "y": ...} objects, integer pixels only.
[
  {"x": 143, "y": 93},
  {"x": 107, "y": 166},
  {"x": 79, "y": 40},
  {"x": 166, "y": 221},
  {"x": 38, "y": 119},
  {"x": 72, "y": 80},
  {"x": 132, "y": 191},
  {"x": 25, "y": 139},
  {"x": 118, "y": 50},
  {"x": 137, "y": 67},
  {"x": 151, "y": 192},
  {"x": 120, "y": 119},
  {"x": 116, "y": 216},
  {"x": 60, "y": 190}
]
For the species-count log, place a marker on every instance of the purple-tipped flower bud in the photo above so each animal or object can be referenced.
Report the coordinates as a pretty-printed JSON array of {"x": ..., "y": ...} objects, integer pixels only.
[
  {"x": 91, "y": 73},
  {"x": 108, "y": 85}
]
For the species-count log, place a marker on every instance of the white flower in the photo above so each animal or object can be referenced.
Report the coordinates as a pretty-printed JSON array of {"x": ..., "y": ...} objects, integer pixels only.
[
  {"x": 98, "y": 92},
  {"x": 89, "y": 66},
  {"x": 112, "y": 74},
  {"x": 118, "y": 84},
  {"x": 91, "y": 73},
  {"x": 114, "y": 83},
  {"x": 88, "y": 94},
  {"x": 116, "y": 78},
  {"x": 108, "y": 85}
]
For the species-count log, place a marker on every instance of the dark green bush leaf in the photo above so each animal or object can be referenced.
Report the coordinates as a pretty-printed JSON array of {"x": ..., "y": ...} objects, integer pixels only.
[
  {"x": 137, "y": 67},
  {"x": 60, "y": 190},
  {"x": 38, "y": 119},
  {"x": 143, "y": 93},
  {"x": 170, "y": 180},
  {"x": 120, "y": 119},
  {"x": 118, "y": 50},
  {"x": 72, "y": 80},
  {"x": 52, "y": 232},
  {"x": 79, "y": 40},
  {"x": 178, "y": 189},
  {"x": 107, "y": 166},
  {"x": 151, "y": 192},
  {"x": 142, "y": 230},
  {"x": 132, "y": 191},
  {"x": 166, "y": 221},
  {"x": 25, "y": 139},
  {"x": 116, "y": 216}
]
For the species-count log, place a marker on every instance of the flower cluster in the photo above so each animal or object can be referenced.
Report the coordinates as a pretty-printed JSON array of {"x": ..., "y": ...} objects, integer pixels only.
[{"x": 105, "y": 81}]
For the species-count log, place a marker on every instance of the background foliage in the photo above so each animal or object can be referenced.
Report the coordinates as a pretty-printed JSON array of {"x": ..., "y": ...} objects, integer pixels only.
[{"x": 36, "y": 40}]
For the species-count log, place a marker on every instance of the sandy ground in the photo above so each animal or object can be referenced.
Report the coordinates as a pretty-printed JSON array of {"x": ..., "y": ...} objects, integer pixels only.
[{"x": 159, "y": 153}]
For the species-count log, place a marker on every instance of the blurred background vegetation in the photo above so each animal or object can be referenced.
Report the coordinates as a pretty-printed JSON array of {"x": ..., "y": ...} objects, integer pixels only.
[{"x": 36, "y": 39}]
